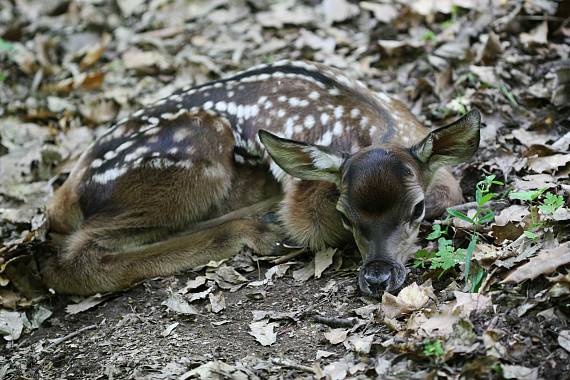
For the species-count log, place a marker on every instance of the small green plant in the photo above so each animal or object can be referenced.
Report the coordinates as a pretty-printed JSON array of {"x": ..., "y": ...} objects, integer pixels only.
[
  {"x": 429, "y": 36},
  {"x": 5, "y": 46},
  {"x": 537, "y": 201},
  {"x": 447, "y": 256},
  {"x": 433, "y": 348}
]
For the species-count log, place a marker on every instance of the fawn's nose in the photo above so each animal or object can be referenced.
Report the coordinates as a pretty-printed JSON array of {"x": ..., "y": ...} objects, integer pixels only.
[{"x": 376, "y": 277}]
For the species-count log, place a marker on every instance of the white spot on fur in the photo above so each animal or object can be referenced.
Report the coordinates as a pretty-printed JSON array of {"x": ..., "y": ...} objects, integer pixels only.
[
  {"x": 314, "y": 95},
  {"x": 324, "y": 118},
  {"x": 309, "y": 121},
  {"x": 109, "y": 175},
  {"x": 338, "y": 112}
]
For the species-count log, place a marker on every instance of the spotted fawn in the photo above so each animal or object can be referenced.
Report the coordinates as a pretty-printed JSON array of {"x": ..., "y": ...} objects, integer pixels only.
[{"x": 193, "y": 177}]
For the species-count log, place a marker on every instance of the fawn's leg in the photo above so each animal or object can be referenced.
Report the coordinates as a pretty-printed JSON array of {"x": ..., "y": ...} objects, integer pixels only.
[
  {"x": 90, "y": 268},
  {"x": 443, "y": 192}
]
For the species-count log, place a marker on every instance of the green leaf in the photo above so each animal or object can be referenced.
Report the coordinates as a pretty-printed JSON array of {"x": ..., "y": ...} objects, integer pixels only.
[
  {"x": 528, "y": 196},
  {"x": 488, "y": 217},
  {"x": 460, "y": 215},
  {"x": 477, "y": 280},
  {"x": 531, "y": 235},
  {"x": 5, "y": 46},
  {"x": 436, "y": 232},
  {"x": 552, "y": 202},
  {"x": 433, "y": 348},
  {"x": 468, "y": 256}
]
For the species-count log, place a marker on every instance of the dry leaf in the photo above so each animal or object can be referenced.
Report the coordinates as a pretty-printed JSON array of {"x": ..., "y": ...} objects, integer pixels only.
[
  {"x": 546, "y": 261},
  {"x": 564, "y": 339},
  {"x": 169, "y": 329},
  {"x": 468, "y": 302},
  {"x": 217, "y": 301},
  {"x": 323, "y": 259},
  {"x": 514, "y": 213},
  {"x": 86, "y": 303},
  {"x": 360, "y": 344},
  {"x": 304, "y": 273},
  {"x": 336, "y": 370},
  {"x": 336, "y": 336},
  {"x": 178, "y": 304},
  {"x": 518, "y": 372},
  {"x": 410, "y": 298},
  {"x": 263, "y": 332}
]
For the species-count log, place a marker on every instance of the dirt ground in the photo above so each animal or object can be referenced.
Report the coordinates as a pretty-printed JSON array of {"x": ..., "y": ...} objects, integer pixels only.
[{"x": 68, "y": 68}]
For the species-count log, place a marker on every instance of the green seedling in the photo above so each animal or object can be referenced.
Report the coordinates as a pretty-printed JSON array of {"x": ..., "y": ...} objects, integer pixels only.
[
  {"x": 447, "y": 256},
  {"x": 537, "y": 201},
  {"x": 433, "y": 348}
]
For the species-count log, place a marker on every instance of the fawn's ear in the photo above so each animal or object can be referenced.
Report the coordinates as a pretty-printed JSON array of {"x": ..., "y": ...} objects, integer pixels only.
[
  {"x": 302, "y": 160},
  {"x": 452, "y": 144}
]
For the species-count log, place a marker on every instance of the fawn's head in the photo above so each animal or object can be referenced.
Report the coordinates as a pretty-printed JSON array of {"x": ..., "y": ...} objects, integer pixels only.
[{"x": 381, "y": 190}]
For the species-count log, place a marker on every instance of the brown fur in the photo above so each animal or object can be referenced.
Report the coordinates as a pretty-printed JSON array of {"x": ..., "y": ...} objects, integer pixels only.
[{"x": 158, "y": 221}]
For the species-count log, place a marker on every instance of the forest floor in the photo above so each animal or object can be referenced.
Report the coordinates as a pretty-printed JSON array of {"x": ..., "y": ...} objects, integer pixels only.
[{"x": 487, "y": 297}]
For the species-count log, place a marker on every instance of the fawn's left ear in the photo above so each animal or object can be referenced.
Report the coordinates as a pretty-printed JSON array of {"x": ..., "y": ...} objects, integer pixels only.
[
  {"x": 302, "y": 160},
  {"x": 452, "y": 144}
]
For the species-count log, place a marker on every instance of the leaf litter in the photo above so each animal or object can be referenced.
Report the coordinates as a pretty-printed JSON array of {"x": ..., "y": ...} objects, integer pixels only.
[{"x": 68, "y": 68}]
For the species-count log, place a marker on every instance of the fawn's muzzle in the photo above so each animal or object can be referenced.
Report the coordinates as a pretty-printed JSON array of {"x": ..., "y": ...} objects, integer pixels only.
[{"x": 380, "y": 275}]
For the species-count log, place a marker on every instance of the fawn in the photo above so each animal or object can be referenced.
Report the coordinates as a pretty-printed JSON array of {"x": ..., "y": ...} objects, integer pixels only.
[{"x": 191, "y": 178}]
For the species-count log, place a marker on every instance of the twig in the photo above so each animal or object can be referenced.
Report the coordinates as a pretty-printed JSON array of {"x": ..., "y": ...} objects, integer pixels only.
[
  {"x": 335, "y": 322},
  {"x": 289, "y": 364},
  {"x": 55, "y": 342},
  {"x": 289, "y": 256}
]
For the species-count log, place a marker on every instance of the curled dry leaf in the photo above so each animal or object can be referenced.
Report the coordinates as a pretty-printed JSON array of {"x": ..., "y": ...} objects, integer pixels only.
[
  {"x": 86, "y": 303},
  {"x": 178, "y": 304},
  {"x": 263, "y": 332},
  {"x": 410, "y": 298},
  {"x": 323, "y": 259},
  {"x": 544, "y": 262}
]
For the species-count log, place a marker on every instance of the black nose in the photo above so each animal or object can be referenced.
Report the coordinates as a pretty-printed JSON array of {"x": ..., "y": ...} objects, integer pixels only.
[{"x": 377, "y": 277}]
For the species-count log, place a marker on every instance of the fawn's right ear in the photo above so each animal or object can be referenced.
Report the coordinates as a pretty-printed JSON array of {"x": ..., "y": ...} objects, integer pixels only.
[
  {"x": 302, "y": 160},
  {"x": 452, "y": 144}
]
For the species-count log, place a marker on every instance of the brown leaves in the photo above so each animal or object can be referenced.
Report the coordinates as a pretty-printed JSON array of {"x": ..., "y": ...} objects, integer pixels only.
[{"x": 545, "y": 262}]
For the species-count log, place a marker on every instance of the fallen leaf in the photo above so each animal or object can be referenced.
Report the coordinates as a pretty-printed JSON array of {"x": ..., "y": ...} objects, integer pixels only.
[
  {"x": 546, "y": 261},
  {"x": 86, "y": 303},
  {"x": 382, "y": 12},
  {"x": 513, "y": 213},
  {"x": 323, "y": 259},
  {"x": 519, "y": 372},
  {"x": 336, "y": 336},
  {"x": 217, "y": 301},
  {"x": 410, "y": 298},
  {"x": 169, "y": 329},
  {"x": 305, "y": 273},
  {"x": 11, "y": 324},
  {"x": 263, "y": 332},
  {"x": 360, "y": 344},
  {"x": 178, "y": 304},
  {"x": 193, "y": 284},
  {"x": 564, "y": 339},
  {"x": 468, "y": 302},
  {"x": 548, "y": 163},
  {"x": 537, "y": 36},
  {"x": 336, "y": 370}
]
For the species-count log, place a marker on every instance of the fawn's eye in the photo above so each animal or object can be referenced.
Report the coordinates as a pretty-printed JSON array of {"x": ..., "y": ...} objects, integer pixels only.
[{"x": 418, "y": 210}]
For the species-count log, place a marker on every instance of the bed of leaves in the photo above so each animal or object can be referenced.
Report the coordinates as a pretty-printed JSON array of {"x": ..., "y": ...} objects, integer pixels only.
[{"x": 488, "y": 296}]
